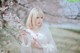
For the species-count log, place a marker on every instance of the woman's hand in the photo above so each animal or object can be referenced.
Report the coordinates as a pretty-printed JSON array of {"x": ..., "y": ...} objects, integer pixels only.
[
  {"x": 24, "y": 36},
  {"x": 35, "y": 43}
]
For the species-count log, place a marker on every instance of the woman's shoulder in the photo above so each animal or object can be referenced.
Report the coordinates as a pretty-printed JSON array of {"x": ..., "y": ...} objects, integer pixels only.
[
  {"x": 45, "y": 27},
  {"x": 46, "y": 24}
]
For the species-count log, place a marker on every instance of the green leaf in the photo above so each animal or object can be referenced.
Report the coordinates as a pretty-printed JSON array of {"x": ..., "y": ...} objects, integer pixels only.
[{"x": 73, "y": 0}]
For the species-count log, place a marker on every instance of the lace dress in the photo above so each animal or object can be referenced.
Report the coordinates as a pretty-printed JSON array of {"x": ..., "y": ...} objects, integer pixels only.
[{"x": 44, "y": 37}]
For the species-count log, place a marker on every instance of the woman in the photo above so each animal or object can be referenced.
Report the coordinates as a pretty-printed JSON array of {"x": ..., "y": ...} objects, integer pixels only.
[{"x": 39, "y": 38}]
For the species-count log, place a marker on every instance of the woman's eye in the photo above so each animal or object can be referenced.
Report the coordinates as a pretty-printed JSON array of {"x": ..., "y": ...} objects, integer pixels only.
[
  {"x": 41, "y": 17},
  {"x": 37, "y": 17}
]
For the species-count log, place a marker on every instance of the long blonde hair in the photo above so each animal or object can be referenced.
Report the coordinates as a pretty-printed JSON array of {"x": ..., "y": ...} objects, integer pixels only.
[{"x": 32, "y": 16}]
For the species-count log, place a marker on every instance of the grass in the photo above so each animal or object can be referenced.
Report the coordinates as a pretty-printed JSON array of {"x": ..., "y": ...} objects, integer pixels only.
[{"x": 67, "y": 41}]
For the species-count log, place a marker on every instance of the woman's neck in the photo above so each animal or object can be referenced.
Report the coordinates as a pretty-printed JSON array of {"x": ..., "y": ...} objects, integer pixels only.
[{"x": 35, "y": 29}]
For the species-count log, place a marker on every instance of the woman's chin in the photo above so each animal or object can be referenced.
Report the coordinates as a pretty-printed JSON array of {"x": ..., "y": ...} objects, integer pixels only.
[{"x": 39, "y": 25}]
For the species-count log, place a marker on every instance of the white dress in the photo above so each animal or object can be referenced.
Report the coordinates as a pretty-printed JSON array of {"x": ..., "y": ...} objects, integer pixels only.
[{"x": 45, "y": 40}]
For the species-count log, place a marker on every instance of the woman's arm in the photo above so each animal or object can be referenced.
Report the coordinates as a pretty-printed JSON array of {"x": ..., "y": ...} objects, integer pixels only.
[{"x": 51, "y": 42}]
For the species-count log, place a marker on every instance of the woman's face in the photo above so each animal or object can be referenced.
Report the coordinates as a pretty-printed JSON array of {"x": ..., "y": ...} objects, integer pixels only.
[{"x": 39, "y": 21}]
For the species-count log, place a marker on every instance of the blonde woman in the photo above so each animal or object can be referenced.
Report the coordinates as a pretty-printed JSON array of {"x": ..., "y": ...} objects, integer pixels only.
[{"x": 39, "y": 40}]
